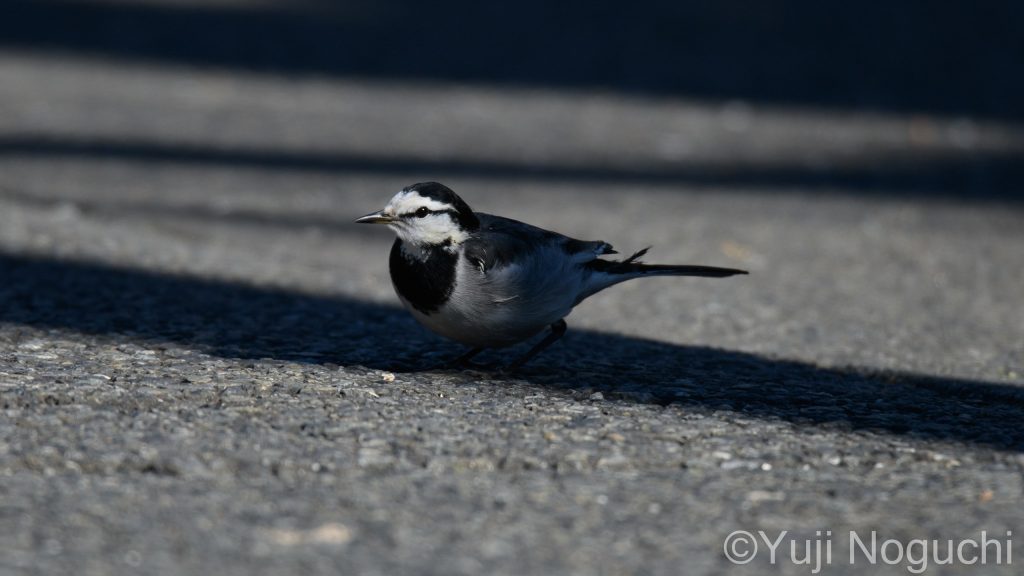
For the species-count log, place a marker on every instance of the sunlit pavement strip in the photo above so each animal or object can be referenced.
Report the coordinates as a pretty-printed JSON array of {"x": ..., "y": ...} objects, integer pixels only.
[{"x": 204, "y": 368}]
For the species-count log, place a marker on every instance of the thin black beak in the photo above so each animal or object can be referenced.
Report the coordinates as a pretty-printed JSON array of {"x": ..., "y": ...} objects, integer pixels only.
[{"x": 378, "y": 217}]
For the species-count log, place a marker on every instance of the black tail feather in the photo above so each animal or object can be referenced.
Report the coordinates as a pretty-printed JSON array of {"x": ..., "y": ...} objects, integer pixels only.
[{"x": 632, "y": 265}]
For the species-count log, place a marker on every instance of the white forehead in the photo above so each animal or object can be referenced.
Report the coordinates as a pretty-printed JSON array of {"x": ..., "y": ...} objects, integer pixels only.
[{"x": 405, "y": 202}]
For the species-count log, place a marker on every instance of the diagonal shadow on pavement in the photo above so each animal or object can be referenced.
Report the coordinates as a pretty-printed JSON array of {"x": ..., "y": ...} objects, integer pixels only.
[
  {"x": 974, "y": 177},
  {"x": 235, "y": 320},
  {"x": 920, "y": 56}
]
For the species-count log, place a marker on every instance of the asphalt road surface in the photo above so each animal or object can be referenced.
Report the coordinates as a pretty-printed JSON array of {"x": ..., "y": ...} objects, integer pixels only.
[{"x": 204, "y": 370}]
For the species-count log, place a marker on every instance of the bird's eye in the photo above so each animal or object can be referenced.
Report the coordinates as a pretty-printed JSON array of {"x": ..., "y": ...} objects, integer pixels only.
[{"x": 422, "y": 212}]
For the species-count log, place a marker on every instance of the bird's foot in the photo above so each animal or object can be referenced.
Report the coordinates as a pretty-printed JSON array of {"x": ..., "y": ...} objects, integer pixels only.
[
  {"x": 476, "y": 366},
  {"x": 464, "y": 362},
  {"x": 557, "y": 331}
]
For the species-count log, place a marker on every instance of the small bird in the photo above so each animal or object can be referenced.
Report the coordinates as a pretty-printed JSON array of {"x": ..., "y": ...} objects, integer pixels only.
[{"x": 488, "y": 281}]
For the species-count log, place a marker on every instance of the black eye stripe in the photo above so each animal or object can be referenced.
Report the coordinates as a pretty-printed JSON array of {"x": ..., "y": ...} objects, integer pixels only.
[{"x": 427, "y": 212}]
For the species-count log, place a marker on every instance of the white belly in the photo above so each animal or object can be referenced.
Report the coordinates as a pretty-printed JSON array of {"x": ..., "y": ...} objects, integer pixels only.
[{"x": 503, "y": 307}]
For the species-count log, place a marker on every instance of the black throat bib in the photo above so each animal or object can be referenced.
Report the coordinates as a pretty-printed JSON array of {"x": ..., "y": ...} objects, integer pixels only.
[{"x": 425, "y": 283}]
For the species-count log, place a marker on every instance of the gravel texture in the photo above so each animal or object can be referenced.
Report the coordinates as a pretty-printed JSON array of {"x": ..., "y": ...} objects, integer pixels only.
[{"x": 203, "y": 369}]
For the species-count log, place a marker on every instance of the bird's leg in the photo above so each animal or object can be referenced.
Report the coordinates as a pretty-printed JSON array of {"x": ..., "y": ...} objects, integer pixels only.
[
  {"x": 557, "y": 331},
  {"x": 464, "y": 360}
]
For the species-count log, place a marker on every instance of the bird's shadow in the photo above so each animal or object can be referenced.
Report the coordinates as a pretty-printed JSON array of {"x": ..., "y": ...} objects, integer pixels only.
[{"x": 235, "y": 320}]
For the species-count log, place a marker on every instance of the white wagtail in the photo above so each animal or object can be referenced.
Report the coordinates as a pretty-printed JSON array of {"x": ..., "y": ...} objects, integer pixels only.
[{"x": 488, "y": 281}]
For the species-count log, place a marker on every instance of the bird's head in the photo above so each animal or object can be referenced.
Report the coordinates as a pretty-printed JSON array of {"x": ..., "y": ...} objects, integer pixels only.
[{"x": 426, "y": 214}]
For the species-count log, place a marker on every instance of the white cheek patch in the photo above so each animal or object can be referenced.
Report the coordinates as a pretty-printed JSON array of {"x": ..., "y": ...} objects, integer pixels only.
[
  {"x": 436, "y": 228},
  {"x": 432, "y": 229}
]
